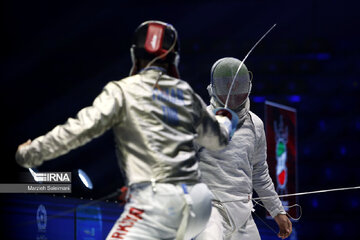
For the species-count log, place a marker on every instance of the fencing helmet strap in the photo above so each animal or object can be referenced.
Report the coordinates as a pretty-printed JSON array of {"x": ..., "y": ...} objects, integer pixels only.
[
  {"x": 156, "y": 41},
  {"x": 222, "y": 75}
]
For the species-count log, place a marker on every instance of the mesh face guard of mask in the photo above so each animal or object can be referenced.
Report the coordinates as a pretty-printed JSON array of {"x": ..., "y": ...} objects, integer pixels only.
[{"x": 222, "y": 75}]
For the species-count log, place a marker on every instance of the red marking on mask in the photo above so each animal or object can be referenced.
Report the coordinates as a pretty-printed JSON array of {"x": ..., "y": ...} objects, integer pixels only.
[{"x": 154, "y": 39}]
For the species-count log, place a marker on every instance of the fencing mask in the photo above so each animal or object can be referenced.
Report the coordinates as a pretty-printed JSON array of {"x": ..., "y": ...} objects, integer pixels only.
[
  {"x": 156, "y": 41},
  {"x": 222, "y": 75}
]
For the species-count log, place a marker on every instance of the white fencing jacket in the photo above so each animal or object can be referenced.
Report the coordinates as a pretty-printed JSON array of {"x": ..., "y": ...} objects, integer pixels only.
[{"x": 233, "y": 172}]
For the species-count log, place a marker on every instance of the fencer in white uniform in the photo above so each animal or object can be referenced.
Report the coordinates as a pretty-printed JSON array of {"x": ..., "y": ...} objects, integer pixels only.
[
  {"x": 233, "y": 172},
  {"x": 155, "y": 118}
]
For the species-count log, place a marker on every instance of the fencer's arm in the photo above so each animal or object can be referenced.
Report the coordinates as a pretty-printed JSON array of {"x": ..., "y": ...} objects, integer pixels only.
[
  {"x": 211, "y": 133},
  {"x": 89, "y": 123},
  {"x": 262, "y": 182}
]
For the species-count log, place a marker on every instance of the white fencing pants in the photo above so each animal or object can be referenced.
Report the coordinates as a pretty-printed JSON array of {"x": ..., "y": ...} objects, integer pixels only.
[
  {"x": 220, "y": 227},
  {"x": 155, "y": 214}
]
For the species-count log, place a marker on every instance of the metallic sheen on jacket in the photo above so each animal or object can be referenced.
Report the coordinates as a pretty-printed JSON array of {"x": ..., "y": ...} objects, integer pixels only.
[{"x": 155, "y": 124}]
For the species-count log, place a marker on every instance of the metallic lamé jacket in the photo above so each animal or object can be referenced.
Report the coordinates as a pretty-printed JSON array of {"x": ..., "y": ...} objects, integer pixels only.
[
  {"x": 233, "y": 172},
  {"x": 155, "y": 125}
]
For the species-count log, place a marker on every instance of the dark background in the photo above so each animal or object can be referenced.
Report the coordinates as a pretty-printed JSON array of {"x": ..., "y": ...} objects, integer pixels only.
[{"x": 56, "y": 56}]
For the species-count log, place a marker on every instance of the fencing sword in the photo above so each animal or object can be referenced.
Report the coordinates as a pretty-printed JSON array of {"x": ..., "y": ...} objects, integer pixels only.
[
  {"x": 294, "y": 194},
  {"x": 241, "y": 64},
  {"x": 257, "y": 201},
  {"x": 285, "y": 195}
]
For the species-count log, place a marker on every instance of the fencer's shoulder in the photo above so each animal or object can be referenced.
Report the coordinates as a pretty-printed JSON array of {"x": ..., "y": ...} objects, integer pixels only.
[
  {"x": 126, "y": 80},
  {"x": 115, "y": 87},
  {"x": 259, "y": 128},
  {"x": 256, "y": 120},
  {"x": 112, "y": 86},
  {"x": 185, "y": 84},
  {"x": 122, "y": 83},
  {"x": 258, "y": 123}
]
